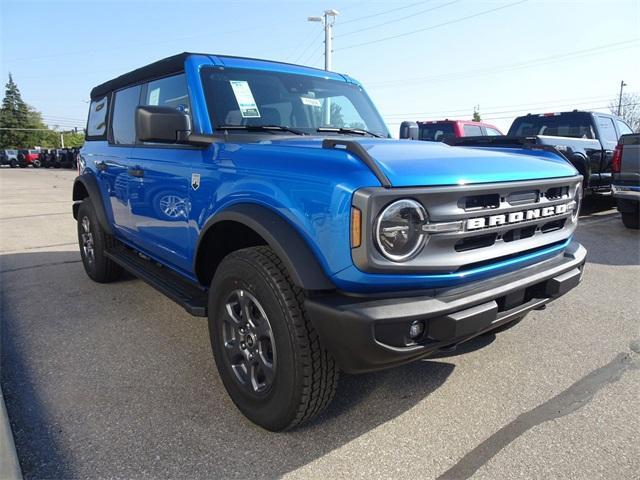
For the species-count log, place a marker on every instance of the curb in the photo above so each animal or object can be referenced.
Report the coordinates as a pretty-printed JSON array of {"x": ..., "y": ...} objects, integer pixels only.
[{"x": 9, "y": 465}]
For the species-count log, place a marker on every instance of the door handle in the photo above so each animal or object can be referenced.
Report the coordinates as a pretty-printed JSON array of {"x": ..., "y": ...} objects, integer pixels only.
[
  {"x": 136, "y": 172},
  {"x": 101, "y": 166}
]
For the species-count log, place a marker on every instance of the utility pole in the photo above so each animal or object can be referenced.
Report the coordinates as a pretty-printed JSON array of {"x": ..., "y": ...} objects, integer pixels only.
[
  {"x": 328, "y": 20},
  {"x": 622, "y": 85},
  {"x": 61, "y": 140}
]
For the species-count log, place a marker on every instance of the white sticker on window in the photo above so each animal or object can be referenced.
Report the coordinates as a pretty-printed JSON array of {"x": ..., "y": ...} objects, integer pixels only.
[
  {"x": 244, "y": 97},
  {"x": 154, "y": 96},
  {"x": 312, "y": 102}
]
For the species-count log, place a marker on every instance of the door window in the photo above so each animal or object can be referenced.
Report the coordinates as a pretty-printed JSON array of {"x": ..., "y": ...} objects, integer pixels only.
[
  {"x": 472, "y": 131},
  {"x": 623, "y": 128},
  {"x": 123, "y": 123},
  {"x": 492, "y": 132},
  {"x": 169, "y": 92},
  {"x": 607, "y": 130}
]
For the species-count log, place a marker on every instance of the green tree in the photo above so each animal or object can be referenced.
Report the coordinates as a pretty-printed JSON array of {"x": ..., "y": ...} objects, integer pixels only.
[{"x": 476, "y": 116}]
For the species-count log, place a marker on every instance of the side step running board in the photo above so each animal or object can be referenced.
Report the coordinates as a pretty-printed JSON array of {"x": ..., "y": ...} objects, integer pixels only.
[{"x": 190, "y": 296}]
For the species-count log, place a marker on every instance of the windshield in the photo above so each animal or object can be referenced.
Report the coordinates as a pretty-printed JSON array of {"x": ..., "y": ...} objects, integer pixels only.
[
  {"x": 253, "y": 98},
  {"x": 436, "y": 132},
  {"x": 577, "y": 125}
]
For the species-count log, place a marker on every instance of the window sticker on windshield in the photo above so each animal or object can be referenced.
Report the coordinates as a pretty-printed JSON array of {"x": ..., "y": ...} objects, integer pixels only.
[
  {"x": 154, "y": 96},
  {"x": 244, "y": 97},
  {"x": 312, "y": 102}
]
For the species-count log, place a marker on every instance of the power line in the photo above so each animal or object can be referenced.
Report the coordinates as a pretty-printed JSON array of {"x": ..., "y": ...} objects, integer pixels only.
[
  {"x": 378, "y": 25},
  {"x": 384, "y": 12},
  {"x": 523, "y": 106},
  {"x": 432, "y": 27},
  {"x": 309, "y": 45},
  {"x": 511, "y": 66}
]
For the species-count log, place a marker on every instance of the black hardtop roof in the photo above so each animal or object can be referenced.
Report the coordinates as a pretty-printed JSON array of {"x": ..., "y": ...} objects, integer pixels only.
[{"x": 164, "y": 67}]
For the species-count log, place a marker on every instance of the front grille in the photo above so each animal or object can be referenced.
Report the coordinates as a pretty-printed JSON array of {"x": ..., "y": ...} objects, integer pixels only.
[{"x": 512, "y": 223}]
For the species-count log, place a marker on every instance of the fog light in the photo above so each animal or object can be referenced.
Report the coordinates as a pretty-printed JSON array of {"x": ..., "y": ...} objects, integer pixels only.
[{"x": 416, "y": 329}]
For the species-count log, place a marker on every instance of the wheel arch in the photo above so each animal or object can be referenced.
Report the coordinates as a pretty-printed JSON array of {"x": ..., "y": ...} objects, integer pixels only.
[
  {"x": 84, "y": 186},
  {"x": 247, "y": 225}
]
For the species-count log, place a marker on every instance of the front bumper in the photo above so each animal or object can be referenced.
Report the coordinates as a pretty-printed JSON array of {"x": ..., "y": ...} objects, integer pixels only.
[{"x": 366, "y": 333}]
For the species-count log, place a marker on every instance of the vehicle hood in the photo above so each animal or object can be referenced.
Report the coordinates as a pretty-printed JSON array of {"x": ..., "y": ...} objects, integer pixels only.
[{"x": 410, "y": 163}]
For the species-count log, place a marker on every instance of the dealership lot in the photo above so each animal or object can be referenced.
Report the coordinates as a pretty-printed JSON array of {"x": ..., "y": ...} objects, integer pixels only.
[{"x": 117, "y": 381}]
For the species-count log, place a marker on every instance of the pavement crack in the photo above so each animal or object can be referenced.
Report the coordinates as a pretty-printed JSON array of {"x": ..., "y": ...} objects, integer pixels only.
[
  {"x": 568, "y": 401},
  {"x": 51, "y": 264},
  {"x": 35, "y": 215}
]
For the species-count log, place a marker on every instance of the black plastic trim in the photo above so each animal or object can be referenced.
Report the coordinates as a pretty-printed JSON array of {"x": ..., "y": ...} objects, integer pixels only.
[
  {"x": 359, "y": 151},
  {"x": 90, "y": 184},
  {"x": 281, "y": 236},
  {"x": 451, "y": 316}
]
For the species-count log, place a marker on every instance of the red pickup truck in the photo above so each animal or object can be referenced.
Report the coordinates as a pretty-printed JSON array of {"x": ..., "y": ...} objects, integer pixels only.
[{"x": 440, "y": 130}]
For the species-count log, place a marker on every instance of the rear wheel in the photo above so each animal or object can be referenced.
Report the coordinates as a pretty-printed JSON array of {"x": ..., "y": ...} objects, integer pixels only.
[
  {"x": 37, "y": 164},
  {"x": 13, "y": 163},
  {"x": 267, "y": 352},
  {"x": 93, "y": 242}
]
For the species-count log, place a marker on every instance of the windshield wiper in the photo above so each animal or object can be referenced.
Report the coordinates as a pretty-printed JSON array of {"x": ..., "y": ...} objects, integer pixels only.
[
  {"x": 349, "y": 131},
  {"x": 262, "y": 128}
]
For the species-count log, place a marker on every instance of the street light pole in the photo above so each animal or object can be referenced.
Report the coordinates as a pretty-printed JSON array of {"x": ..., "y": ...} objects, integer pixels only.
[
  {"x": 328, "y": 20},
  {"x": 622, "y": 85}
]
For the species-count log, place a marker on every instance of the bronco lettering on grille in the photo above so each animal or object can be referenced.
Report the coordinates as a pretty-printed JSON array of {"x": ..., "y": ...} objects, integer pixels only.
[{"x": 515, "y": 217}]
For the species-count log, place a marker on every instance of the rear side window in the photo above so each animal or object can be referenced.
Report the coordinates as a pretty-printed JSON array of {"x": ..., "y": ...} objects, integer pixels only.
[
  {"x": 472, "y": 131},
  {"x": 97, "y": 124},
  {"x": 492, "y": 132},
  {"x": 576, "y": 125},
  {"x": 623, "y": 128},
  {"x": 123, "y": 121},
  {"x": 169, "y": 92},
  {"x": 607, "y": 130}
]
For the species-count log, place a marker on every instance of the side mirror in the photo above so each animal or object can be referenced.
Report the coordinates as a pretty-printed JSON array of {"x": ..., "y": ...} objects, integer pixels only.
[
  {"x": 409, "y": 130},
  {"x": 162, "y": 124}
]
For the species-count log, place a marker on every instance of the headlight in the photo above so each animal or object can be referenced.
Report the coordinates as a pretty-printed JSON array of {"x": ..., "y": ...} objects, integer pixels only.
[{"x": 399, "y": 234}]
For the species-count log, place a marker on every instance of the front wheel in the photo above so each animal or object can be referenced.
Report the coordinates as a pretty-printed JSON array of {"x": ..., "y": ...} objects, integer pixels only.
[
  {"x": 267, "y": 352},
  {"x": 36, "y": 164},
  {"x": 13, "y": 163}
]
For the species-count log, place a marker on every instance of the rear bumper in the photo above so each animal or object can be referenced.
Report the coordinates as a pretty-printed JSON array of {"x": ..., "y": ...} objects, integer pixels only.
[
  {"x": 626, "y": 192},
  {"x": 371, "y": 333}
]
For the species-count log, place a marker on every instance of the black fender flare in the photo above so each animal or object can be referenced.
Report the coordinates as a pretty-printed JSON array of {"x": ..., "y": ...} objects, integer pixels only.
[
  {"x": 303, "y": 266},
  {"x": 88, "y": 183},
  {"x": 581, "y": 163}
]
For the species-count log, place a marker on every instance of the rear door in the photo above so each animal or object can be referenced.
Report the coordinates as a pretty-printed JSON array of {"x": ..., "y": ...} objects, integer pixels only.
[{"x": 115, "y": 170}]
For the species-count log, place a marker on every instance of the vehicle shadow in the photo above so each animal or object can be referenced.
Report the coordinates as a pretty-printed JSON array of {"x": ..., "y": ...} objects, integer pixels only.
[
  {"x": 115, "y": 380},
  {"x": 594, "y": 204}
]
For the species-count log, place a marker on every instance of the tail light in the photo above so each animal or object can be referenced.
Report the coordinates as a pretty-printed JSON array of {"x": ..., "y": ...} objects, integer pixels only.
[{"x": 616, "y": 160}]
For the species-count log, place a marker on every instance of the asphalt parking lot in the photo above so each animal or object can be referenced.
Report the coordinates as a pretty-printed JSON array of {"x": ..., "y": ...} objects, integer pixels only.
[{"x": 117, "y": 381}]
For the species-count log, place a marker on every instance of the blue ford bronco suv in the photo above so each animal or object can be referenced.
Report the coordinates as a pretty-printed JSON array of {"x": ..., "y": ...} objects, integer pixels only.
[{"x": 271, "y": 199}]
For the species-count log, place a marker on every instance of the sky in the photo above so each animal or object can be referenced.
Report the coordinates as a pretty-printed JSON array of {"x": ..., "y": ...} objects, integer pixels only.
[{"x": 418, "y": 60}]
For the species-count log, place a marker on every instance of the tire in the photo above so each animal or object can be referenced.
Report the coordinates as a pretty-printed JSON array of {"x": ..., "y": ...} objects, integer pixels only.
[
  {"x": 36, "y": 164},
  {"x": 303, "y": 376},
  {"x": 13, "y": 163},
  {"x": 93, "y": 242},
  {"x": 631, "y": 219}
]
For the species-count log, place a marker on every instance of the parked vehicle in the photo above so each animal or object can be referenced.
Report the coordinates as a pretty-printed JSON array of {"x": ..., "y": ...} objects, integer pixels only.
[
  {"x": 440, "y": 130},
  {"x": 312, "y": 241},
  {"x": 626, "y": 179},
  {"x": 9, "y": 157},
  {"x": 29, "y": 157},
  {"x": 586, "y": 139}
]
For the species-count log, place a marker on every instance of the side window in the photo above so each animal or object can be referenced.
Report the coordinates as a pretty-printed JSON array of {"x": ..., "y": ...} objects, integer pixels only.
[
  {"x": 492, "y": 132},
  {"x": 169, "y": 92},
  {"x": 123, "y": 121},
  {"x": 472, "y": 131},
  {"x": 97, "y": 124},
  {"x": 623, "y": 128},
  {"x": 607, "y": 130}
]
